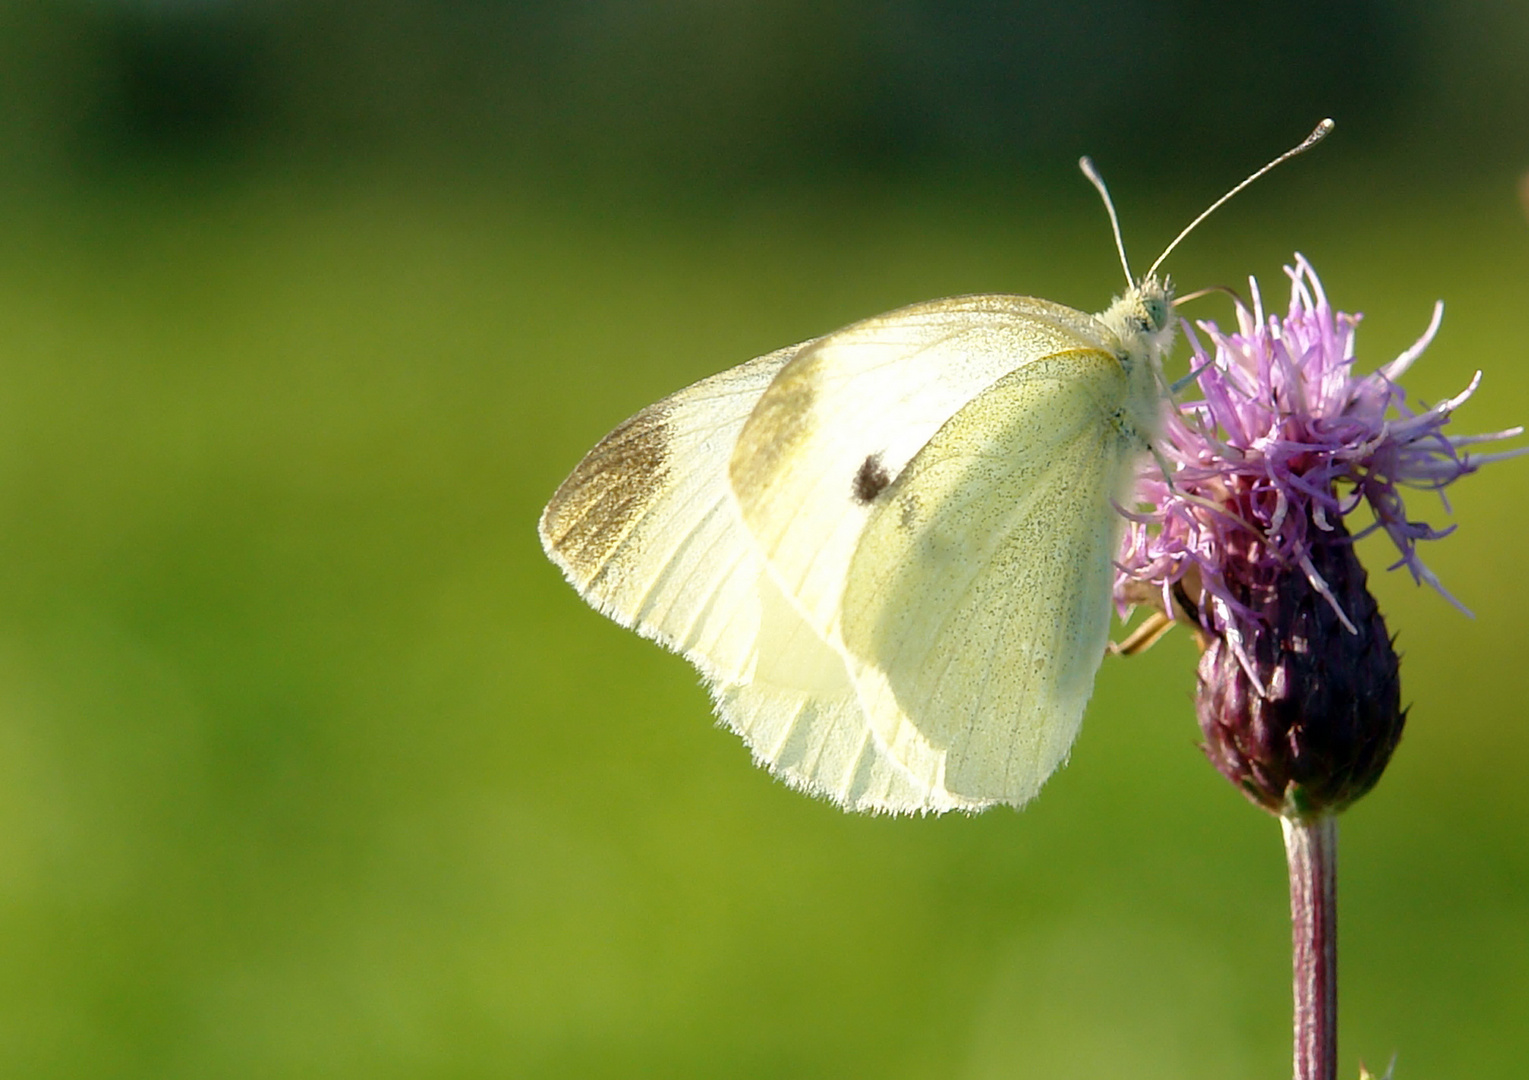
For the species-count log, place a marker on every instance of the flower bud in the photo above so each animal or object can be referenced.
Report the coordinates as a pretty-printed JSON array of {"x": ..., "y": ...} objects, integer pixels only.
[{"x": 1300, "y": 696}]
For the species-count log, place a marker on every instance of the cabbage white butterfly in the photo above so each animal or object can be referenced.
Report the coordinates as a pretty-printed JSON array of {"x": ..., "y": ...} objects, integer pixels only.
[{"x": 888, "y": 550}]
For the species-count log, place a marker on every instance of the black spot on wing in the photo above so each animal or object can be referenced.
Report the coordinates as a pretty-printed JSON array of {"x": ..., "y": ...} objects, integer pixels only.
[{"x": 871, "y": 480}]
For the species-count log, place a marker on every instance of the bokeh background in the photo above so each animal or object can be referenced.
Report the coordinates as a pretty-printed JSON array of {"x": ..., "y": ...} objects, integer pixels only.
[{"x": 312, "y": 766}]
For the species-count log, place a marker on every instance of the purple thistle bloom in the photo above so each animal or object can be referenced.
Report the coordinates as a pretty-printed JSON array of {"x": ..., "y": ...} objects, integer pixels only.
[{"x": 1299, "y": 695}]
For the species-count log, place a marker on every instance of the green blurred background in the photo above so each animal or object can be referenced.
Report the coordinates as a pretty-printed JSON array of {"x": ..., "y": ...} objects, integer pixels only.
[{"x": 312, "y": 766}]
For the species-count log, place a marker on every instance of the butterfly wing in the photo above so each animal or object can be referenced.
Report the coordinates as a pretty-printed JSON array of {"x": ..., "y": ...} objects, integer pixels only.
[
  {"x": 844, "y": 417},
  {"x": 976, "y": 609},
  {"x": 932, "y": 490},
  {"x": 647, "y": 530},
  {"x": 730, "y": 522},
  {"x": 644, "y": 527}
]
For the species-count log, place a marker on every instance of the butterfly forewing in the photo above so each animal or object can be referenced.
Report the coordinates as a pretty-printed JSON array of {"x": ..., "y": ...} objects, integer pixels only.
[
  {"x": 846, "y": 415},
  {"x": 647, "y": 529}
]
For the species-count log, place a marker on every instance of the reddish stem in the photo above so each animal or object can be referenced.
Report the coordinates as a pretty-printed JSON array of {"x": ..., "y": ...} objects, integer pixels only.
[{"x": 1311, "y": 849}]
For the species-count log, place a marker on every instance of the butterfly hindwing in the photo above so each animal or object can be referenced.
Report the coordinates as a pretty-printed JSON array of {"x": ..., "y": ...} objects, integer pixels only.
[{"x": 977, "y": 605}]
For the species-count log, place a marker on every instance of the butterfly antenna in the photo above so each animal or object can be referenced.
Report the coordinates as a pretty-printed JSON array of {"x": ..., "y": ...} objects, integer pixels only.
[
  {"x": 1087, "y": 165},
  {"x": 1317, "y": 135}
]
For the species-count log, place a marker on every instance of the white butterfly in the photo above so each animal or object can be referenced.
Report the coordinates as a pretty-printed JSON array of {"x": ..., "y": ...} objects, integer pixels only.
[{"x": 889, "y": 550}]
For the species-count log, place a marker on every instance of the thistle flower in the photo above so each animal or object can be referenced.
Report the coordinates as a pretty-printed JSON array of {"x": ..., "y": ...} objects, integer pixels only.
[{"x": 1299, "y": 697}]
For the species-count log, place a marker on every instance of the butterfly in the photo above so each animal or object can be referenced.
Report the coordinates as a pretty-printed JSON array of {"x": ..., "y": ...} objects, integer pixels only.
[{"x": 889, "y": 550}]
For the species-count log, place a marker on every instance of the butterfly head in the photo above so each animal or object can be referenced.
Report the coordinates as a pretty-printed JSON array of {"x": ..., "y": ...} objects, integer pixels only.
[{"x": 1142, "y": 319}]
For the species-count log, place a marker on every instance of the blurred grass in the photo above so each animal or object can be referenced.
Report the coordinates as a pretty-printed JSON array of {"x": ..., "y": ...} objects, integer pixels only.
[{"x": 311, "y": 765}]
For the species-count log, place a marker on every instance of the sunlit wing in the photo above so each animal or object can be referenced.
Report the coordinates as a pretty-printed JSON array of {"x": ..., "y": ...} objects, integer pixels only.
[
  {"x": 848, "y": 412},
  {"x": 744, "y": 522},
  {"x": 647, "y": 530},
  {"x": 976, "y": 610}
]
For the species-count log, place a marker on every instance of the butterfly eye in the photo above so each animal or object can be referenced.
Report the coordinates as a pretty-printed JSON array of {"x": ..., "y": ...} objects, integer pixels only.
[{"x": 1157, "y": 313}]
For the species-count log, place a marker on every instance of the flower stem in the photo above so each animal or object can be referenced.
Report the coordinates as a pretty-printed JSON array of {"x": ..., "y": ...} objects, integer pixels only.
[{"x": 1311, "y": 849}]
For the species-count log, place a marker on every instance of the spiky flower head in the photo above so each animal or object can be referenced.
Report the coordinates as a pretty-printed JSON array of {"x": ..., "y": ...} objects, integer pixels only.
[{"x": 1299, "y": 696}]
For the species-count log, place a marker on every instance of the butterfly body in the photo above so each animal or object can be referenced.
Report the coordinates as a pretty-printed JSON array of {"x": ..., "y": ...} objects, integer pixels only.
[{"x": 888, "y": 550}]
